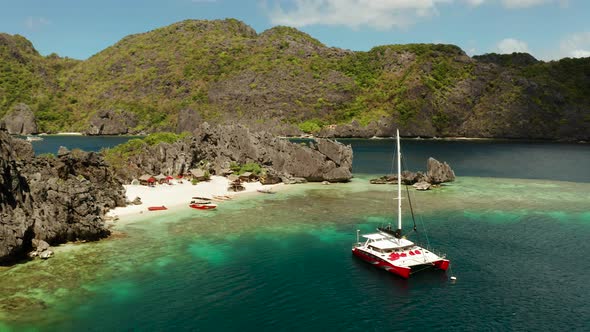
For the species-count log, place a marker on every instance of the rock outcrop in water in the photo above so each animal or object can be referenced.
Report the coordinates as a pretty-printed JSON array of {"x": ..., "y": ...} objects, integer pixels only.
[
  {"x": 218, "y": 146},
  {"x": 439, "y": 172},
  {"x": 53, "y": 199},
  {"x": 436, "y": 173}
]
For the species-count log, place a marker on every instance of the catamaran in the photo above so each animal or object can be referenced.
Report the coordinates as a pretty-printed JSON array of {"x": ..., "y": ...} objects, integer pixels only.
[{"x": 390, "y": 250}]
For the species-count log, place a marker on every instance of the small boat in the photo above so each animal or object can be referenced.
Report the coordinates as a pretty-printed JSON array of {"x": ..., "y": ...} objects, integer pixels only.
[
  {"x": 222, "y": 197},
  {"x": 202, "y": 198},
  {"x": 203, "y": 206},
  {"x": 390, "y": 250},
  {"x": 198, "y": 201},
  {"x": 157, "y": 208},
  {"x": 265, "y": 191},
  {"x": 34, "y": 138}
]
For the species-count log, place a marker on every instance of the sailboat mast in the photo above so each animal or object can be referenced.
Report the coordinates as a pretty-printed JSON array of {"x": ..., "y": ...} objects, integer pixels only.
[{"x": 399, "y": 185}]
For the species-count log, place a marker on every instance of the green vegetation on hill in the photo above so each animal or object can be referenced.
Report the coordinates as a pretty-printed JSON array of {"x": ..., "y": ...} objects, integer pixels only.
[
  {"x": 117, "y": 156},
  {"x": 27, "y": 77},
  {"x": 222, "y": 71}
]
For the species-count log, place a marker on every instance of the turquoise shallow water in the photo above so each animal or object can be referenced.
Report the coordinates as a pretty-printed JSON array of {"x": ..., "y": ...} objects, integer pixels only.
[{"x": 283, "y": 262}]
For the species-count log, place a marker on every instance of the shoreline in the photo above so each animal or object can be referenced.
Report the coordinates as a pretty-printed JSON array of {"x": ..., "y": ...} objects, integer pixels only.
[
  {"x": 311, "y": 137},
  {"x": 176, "y": 195},
  {"x": 449, "y": 138}
]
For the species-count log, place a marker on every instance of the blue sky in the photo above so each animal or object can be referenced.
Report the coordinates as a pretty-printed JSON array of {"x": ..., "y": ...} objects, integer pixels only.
[{"x": 548, "y": 29}]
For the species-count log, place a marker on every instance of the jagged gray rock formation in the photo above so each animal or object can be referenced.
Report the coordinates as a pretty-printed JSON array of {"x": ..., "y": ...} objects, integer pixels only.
[
  {"x": 110, "y": 122},
  {"x": 423, "y": 185},
  {"x": 15, "y": 202},
  {"x": 188, "y": 120},
  {"x": 437, "y": 173},
  {"x": 220, "y": 145},
  {"x": 53, "y": 199},
  {"x": 20, "y": 120}
]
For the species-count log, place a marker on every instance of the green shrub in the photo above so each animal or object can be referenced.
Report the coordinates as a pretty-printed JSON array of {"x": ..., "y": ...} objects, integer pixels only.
[
  {"x": 311, "y": 126},
  {"x": 165, "y": 137},
  {"x": 235, "y": 167},
  {"x": 47, "y": 156},
  {"x": 255, "y": 168},
  {"x": 252, "y": 167},
  {"x": 194, "y": 182}
]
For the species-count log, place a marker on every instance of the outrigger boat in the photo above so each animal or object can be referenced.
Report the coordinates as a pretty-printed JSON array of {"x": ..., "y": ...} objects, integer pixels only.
[
  {"x": 202, "y": 198},
  {"x": 202, "y": 206},
  {"x": 265, "y": 191},
  {"x": 390, "y": 250}
]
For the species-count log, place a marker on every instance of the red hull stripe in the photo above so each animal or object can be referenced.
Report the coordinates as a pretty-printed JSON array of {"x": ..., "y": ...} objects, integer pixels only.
[
  {"x": 403, "y": 272},
  {"x": 442, "y": 264}
]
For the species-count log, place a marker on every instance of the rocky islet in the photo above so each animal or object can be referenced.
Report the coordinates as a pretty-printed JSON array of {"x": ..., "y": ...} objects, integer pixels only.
[{"x": 55, "y": 199}]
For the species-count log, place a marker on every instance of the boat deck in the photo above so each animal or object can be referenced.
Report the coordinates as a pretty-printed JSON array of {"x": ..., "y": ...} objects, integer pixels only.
[{"x": 400, "y": 252}]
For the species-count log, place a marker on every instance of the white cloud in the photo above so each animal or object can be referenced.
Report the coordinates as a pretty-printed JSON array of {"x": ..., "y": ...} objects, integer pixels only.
[
  {"x": 523, "y": 3},
  {"x": 511, "y": 45},
  {"x": 580, "y": 54},
  {"x": 474, "y": 3},
  {"x": 576, "y": 45},
  {"x": 518, "y": 4},
  {"x": 380, "y": 14},
  {"x": 33, "y": 23}
]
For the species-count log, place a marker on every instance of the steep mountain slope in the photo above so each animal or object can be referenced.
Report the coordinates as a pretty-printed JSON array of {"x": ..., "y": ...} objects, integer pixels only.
[
  {"x": 27, "y": 77},
  {"x": 283, "y": 80}
]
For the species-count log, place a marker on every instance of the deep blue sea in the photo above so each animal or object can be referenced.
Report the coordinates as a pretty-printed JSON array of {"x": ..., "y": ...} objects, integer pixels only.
[
  {"x": 515, "y": 225},
  {"x": 51, "y": 143}
]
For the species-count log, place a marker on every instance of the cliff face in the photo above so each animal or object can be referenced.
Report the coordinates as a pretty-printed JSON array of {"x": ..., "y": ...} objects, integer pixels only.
[
  {"x": 16, "y": 203},
  {"x": 218, "y": 146},
  {"x": 285, "y": 81},
  {"x": 55, "y": 199},
  {"x": 20, "y": 121}
]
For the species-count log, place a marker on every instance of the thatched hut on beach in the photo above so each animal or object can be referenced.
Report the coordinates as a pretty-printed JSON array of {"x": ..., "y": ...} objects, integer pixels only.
[
  {"x": 161, "y": 178},
  {"x": 248, "y": 177},
  {"x": 199, "y": 174},
  {"x": 147, "y": 180}
]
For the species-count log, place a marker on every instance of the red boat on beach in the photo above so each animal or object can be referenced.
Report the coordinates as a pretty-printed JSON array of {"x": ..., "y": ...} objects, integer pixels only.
[
  {"x": 202, "y": 206},
  {"x": 157, "y": 208}
]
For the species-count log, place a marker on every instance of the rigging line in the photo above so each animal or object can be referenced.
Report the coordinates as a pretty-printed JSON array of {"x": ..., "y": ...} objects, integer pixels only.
[
  {"x": 409, "y": 200},
  {"x": 393, "y": 163},
  {"x": 421, "y": 220},
  {"x": 419, "y": 217},
  {"x": 451, "y": 270},
  {"x": 425, "y": 233},
  {"x": 422, "y": 269}
]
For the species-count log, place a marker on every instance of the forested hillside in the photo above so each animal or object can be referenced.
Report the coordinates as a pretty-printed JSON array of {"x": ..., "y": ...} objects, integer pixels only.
[{"x": 283, "y": 80}]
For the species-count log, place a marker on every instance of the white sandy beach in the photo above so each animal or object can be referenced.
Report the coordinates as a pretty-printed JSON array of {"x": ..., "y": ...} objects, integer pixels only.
[{"x": 177, "y": 194}]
